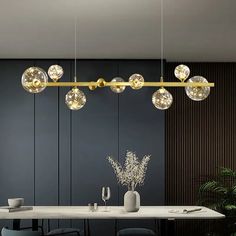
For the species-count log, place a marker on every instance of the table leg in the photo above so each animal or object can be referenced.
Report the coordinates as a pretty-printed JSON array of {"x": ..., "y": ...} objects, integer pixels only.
[
  {"x": 16, "y": 224},
  {"x": 170, "y": 227},
  {"x": 163, "y": 227},
  {"x": 116, "y": 227},
  {"x": 85, "y": 233},
  {"x": 86, "y": 227},
  {"x": 35, "y": 224},
  {"x": 49, "y": 225},
  {"x": 157, "y": 227}
]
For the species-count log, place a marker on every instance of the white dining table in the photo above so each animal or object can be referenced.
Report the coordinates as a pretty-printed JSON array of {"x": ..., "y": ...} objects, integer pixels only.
[{"x": 164, "y": 213}]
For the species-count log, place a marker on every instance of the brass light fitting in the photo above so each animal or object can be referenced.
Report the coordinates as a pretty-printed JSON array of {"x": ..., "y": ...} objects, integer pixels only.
[
  {"x": 93, "y": 85},
  {"x": 35, "y": 80}
]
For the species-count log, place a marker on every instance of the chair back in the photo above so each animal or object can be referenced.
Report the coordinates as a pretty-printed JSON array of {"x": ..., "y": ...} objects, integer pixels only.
[{"x": 9, "y": 232}]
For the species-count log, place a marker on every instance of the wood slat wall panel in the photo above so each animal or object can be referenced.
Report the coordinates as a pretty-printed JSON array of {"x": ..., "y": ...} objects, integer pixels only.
[{"x": 200, "y": 136}]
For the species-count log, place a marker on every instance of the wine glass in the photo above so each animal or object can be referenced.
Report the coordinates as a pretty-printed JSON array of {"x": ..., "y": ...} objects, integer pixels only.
[{"x": 106, "y": 194}]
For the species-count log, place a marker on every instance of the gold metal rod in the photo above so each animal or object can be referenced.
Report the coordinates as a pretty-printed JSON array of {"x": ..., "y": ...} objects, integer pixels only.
[
  {"x": 70, "y": 84},
  {"x": 146, "y": 84},
  {"x": 177, "y": 84}
]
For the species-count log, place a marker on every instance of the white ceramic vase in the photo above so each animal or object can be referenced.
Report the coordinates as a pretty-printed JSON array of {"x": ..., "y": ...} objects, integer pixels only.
[{"x": 132, "y": 201}]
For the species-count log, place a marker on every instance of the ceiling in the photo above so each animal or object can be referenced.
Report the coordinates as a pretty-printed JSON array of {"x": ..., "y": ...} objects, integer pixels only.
[{"x": 203, "y": 30}]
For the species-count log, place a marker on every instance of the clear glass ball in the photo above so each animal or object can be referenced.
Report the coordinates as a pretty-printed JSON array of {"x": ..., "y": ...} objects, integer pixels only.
[
  {"x": 197, "y": 93},
  {"x": 136, "y": 81},
  {"x": 55, "y": 72},
  {"x": 34, "y": 80},
  {"x": 118, "y": 88},
  {"x": 162, "y": 99},
  {"x": 182, "y": 72},
  {"x": 75, "y": 99}
]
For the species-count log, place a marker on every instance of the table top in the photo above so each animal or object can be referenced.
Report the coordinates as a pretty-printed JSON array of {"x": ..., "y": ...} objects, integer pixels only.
[{"x": 115, "y": 212}]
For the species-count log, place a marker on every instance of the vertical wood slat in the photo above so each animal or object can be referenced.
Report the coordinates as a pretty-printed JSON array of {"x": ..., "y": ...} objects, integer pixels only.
[{"x": 200, "y": 136}]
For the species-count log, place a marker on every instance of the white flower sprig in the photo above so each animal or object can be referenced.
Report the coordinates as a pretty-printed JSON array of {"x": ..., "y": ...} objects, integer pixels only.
[{"x": 133, "y": 172}]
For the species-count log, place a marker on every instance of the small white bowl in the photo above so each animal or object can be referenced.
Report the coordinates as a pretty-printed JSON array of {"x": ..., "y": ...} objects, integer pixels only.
[{"x": 15, "y": 202}]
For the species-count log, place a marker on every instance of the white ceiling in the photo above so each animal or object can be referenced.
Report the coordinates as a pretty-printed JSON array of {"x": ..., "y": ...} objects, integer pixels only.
[{"x": 200, "y": 30}]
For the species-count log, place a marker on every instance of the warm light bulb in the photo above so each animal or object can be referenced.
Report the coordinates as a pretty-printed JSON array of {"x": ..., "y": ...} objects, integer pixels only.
[
  {"x": 117, "y": 88},
  {"x": 55, "y": 72},
  {"x": 136, "y": 81},
  {"x": 197, "y": 93},
  {"x": 182, "y": 72},
  {"x": 34, "y": 80},
  {"x": 75, "y": 99},
  {"x": 162, "y": 99}
]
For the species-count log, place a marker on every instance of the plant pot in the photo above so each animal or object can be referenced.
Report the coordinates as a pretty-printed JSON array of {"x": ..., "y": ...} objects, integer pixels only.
[{"x": 132, "y": 201}]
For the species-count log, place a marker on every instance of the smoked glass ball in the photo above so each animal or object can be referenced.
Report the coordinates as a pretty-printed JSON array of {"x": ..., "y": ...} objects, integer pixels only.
[
  {"x": 75, "y": 99},
  {"x": 55, "y": 72},
  {"x": 182, "y": 72},
  {"x": 117, "y": 88},
  {"x": 136, "y": 81},
  {"x": 197, "y": 93},
  {"x": 162, "y": 99},
  {"x": 34, "y": 80}
]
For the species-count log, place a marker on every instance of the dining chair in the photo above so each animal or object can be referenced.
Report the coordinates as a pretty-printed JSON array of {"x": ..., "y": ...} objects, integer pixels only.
[
  {"x": 55, "y": 232},
  {"x": 9, "y": 232},
  {"x": 136, "y": 232},
  {"x": 40, "y": 227},
  {"x": 62, "y": 231}
]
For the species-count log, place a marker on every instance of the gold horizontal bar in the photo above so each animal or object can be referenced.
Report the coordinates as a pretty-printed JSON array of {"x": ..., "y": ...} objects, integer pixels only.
[
  {"x": 70, "y": 84},
  {"x": 177, "y": 84},
  {"x": 146, "y": 84}
]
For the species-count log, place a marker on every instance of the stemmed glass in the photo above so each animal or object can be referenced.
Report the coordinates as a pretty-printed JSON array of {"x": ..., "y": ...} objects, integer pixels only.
[{"x": 106, "y": 194}]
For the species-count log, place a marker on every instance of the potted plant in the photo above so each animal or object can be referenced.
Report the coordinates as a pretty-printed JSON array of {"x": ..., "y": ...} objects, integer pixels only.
[
  {"x": 131, "y": 175},
  {"x": 220, "y": 194}
]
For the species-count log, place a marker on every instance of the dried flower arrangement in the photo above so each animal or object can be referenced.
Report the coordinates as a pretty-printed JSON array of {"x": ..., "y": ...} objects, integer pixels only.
[{"x": 133, "y": 172}]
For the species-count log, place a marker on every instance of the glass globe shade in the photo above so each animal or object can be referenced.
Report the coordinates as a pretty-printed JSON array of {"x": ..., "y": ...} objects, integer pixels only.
[
  {"x": 117, "y": 88},
  {"x": 34, "y": 80},
  {"x": 182, "y": 72},
  {"x": 75, "y": 99},
  {"x": 162, "y": 99},
  {"x": 55, "y": 72},
  {"x": 136, "y": 81},
  {"x": 197, "y": 93}
]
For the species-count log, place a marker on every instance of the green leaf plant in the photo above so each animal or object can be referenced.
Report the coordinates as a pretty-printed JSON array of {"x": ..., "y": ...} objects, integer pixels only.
[{"x": 220, "y": 194}]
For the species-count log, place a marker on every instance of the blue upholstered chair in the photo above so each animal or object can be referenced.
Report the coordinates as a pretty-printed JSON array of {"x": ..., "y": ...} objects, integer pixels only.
[
  {"x": 136, "y": 232},
  {"x": 55, "y": 232},
  {"x": 8, "y": 232},
  {"x": 62, "y": 231}
]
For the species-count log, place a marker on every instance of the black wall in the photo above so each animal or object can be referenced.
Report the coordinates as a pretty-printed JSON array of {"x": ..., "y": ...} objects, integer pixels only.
[
  {"x": 200, "y": 138},
  {"x": 53, "y": 156}
]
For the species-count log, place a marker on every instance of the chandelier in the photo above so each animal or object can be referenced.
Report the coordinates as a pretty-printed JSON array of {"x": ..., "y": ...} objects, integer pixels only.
[{"x": 197, "y": 88}]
